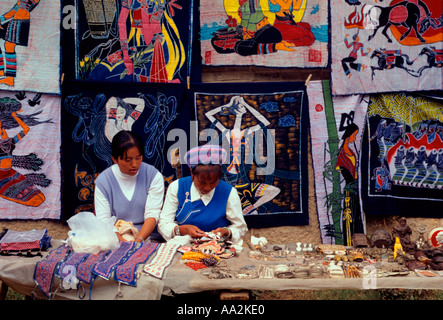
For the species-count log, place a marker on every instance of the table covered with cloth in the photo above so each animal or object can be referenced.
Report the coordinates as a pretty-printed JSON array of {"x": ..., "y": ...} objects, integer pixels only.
[{"x": 243, "y": 271}]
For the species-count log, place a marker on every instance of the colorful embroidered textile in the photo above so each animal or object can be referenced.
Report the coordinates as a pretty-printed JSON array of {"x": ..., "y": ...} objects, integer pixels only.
[
  {"x": 263, "y": 128},
  {"x": 30, "y": 47},
  {"x": 386, "y": 46},
  {"x": 335, "y": 154},
  {"x": 84, "y": 268},
  {"x": 67, "y": 269},
  {"x": 153, "y": 111},
  {"x": 25, "y": 240},
  {"x": 114, "y": 258},
  {"x": 30, "y": 159},
  {"x": 162, "y": 260},
  {"x": 132, "y": 41},
  {"x": 267, "y": 33},
  {"x": 402, "y": 156},
  {"x": 44, "y": 270},
  {"x": 127, "y": 271}
]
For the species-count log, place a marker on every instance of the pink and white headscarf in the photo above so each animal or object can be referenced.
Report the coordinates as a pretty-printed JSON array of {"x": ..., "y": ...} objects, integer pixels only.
[{"x": 206, "y": 154}]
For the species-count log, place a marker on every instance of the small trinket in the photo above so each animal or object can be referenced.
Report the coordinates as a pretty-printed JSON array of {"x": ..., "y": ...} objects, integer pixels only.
[
  {"x": 336, "y": 271},
  {"x": 298, "y": 248},
  {"x": 421, "y": 242}
]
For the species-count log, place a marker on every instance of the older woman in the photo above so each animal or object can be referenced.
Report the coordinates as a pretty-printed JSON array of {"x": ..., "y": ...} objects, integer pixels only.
[{"x": 202, "y": 203}]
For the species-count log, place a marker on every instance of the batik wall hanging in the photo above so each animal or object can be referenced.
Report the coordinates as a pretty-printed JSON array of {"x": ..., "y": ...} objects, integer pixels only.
[
  {"x": 386, "y": 46},
  {"x": 29, "y": 155},
  {"x": 133, "y": 40},
  {"x": 93, "y": 113},
  {"x": 337, "y": 125},
  {"x": 263, "y": 128},
  {"x": 403, "y": 156},
  {"x": 272, "y": 33},
  {"x": 30, "y": 45}
]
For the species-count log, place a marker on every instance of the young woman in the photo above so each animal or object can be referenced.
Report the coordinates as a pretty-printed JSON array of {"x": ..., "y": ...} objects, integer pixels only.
[
  {"x": 130, "y": 190},
  {"x": 202, "y": 203}
]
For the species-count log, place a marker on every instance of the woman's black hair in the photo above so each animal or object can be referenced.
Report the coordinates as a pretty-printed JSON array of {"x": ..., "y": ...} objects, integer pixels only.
[
  {"x": 350, "y": 129},
  {"x": 123, "y": 141},
  {"x": 206, "y": 169}
]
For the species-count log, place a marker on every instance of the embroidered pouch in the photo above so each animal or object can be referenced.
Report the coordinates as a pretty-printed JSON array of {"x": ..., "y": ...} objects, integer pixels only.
[
  {"x": 84, "y": 268},
  {"x": 45, "y": 269},
  {"x": 126, "y": 272},
  {"x": 114, "y": 258}
]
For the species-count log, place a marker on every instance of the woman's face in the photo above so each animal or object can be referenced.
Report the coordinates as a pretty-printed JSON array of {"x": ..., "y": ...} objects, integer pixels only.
[
  {"x": 205, "y": 182},
  {"x": 353, "y": 136},
  {"x": 130, "y": 163},
  {"x": 121, "y": 113}
]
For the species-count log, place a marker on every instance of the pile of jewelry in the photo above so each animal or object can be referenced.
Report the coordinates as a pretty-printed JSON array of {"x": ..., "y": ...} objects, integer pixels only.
[{"x": 206, "y": 252}]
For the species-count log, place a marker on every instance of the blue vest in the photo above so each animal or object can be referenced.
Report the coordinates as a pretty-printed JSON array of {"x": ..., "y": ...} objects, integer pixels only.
[
  {"x": 123, "y": 209},
  {"x": 209, "y": 217}
]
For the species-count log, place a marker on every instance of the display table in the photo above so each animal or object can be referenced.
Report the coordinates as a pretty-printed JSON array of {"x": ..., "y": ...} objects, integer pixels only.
[{"x": 17, "y": 273}]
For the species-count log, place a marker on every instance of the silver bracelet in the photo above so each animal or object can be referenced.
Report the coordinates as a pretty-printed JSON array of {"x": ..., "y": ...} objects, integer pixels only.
[{"x": 229, "y": 232}]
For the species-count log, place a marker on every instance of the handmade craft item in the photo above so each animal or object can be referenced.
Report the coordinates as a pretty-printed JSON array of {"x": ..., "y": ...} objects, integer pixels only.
[
  {"x": 30, "y": 49},
  {"x": 402, "y": 154},
  {"x": 89, "y": 116},
  {"x": 85, "y": 268},
  {"x": 32, "y": 240},
  {"x": 392, "y": 42},
  {"x": 263, "y": 128},
  {"x": 30, "y": 156},
  {"x": 67, "y": 270},
  {"x": 267, "y": 33},
  {"x": 337, "y": 127},
  {"x": 127, "y": 271},
  {"x": 126, "y": 230},
  {"x": 161, "y": 261},
  {"x": 435, "y": 237},
  {"x": 45, "y": 269},
  {"x": 196, "y": 256},
  {"x": 132, "y": 41},
  {"x": 113, "y": 259},
  {"x": 195, "y": 265}
]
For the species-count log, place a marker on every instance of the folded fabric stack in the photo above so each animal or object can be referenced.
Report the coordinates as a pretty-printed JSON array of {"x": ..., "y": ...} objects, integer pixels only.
[
  {"x": 18, "y": 242},
  {"x": 75, "y": 268}
]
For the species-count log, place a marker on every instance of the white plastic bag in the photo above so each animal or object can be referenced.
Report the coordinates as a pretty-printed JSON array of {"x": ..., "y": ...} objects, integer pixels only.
[{"x": 90, "y": 235}]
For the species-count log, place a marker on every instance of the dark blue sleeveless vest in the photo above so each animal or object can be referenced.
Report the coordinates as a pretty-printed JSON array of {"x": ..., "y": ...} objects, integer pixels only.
[{"x": 209, "y": 217}]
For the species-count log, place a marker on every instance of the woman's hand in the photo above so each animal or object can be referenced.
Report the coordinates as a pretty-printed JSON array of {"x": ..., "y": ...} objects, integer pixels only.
[
  {"x": 223, "y": 232},
  {"x": 191, "y": 230}
]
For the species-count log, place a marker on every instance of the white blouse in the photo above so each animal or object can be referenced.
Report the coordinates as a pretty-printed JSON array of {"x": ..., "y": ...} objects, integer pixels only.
[{"x": 234, "y": 212}]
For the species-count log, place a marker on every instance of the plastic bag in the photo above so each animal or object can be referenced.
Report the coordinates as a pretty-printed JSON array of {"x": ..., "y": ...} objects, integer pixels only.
[{"x": 90, "y": 235}]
